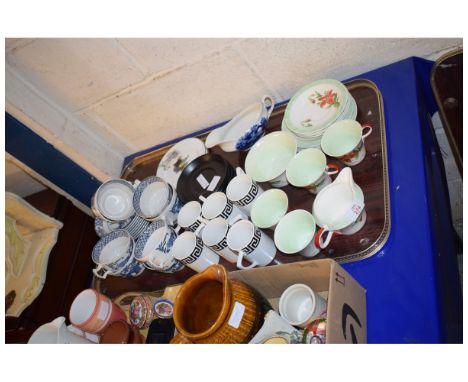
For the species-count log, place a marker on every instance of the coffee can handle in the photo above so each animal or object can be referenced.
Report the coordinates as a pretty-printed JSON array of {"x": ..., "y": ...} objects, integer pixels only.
[{"x": 240, "y": 257}]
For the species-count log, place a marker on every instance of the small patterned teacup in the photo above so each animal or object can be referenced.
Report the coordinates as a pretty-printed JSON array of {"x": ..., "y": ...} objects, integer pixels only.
[
  {"x": 113, "y": 200},
  {"x": 155, "y": 198},
  {"x": 114, "y": 255},
  {"x": 153, "y": 248}
]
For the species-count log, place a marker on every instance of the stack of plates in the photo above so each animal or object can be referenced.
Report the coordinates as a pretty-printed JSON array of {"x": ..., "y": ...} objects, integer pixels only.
[{"x": 314, "y": 108}]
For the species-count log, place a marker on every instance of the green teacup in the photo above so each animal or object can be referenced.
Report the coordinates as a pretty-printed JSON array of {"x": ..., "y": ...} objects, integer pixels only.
[
  {"x": 295, "y": 234},
  {"x": 269, "y": 208},
  {"x": 309, "y": 169},
  {"x": 345, "y": 140}
]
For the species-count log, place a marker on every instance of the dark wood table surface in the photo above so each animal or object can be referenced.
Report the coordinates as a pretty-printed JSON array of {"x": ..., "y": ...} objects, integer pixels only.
[{"x": 371, "y": 175}]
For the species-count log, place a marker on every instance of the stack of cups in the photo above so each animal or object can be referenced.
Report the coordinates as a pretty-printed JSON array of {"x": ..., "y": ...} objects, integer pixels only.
[
  {"x": 112, "y": 206},
  {"x": 147, "y": 211}
]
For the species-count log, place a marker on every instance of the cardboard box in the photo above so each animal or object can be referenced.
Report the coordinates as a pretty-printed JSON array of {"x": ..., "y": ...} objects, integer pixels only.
[{"x": 346, "y": 309}]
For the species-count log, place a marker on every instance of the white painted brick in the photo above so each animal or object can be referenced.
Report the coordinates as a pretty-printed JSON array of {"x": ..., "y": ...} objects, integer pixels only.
[
  {"x": 75, "y": 72},
  {"x": 288, "y": 64},
  {"x": 26, "y": 101},
  {"x": 82, "y": 148},
  {"x": 16, "y": 43},
  {"x": 107, "y": 134},
  {"x": 185, "y": 100},
  {"x": 159, "y": 54}
]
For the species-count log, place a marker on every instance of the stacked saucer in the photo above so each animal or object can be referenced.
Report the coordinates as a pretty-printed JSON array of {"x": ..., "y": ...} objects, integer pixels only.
[{"x": 314, "y": 108}]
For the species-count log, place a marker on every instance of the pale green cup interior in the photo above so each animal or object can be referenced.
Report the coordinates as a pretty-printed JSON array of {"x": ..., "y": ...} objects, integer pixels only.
[
  {"x": 269, "y": 157},
  {"x": 341, "y": 137},
  {"x": 269, "y": 208},
  {"x": 295, "y": 231},
  {"x": 306, "y": 167}
]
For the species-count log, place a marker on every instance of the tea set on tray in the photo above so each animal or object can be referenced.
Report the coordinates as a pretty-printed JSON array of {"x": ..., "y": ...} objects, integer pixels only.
[{"x": 198, "y": 208}]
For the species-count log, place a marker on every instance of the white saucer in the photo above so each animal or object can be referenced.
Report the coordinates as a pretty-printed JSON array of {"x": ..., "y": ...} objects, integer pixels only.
[{"x": 178, "y": 157}]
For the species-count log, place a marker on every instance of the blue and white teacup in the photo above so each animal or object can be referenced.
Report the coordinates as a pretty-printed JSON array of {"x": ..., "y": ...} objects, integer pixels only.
[
  {"x": 154, "y": 198},
  {"x": 114, "y": 255},
  {"x": 153, "y": 246},
  {"x": 103, "y": 227},
  {"x": 113, "y": 200},
  {"x": 135, "y": 226}
]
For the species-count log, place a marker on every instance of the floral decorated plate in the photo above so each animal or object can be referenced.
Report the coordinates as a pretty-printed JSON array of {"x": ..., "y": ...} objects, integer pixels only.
[
  {"x": 178, "y": 157},
  {"x": 316, "y": 105}
]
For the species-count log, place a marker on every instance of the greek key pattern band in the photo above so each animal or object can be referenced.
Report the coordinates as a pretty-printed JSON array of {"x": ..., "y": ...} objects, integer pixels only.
[
  {"x": 227, "y": 210},
  {"x": 253, "y": 243},
  {"x": 247, "y": 199},
  {"x": 196, "y": 253},
  {"x": 193, "y": 227},
  {"x": 220, "y": 246}
]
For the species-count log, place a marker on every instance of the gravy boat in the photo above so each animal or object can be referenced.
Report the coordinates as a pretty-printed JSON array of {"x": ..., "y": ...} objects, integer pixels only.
[
  {"x": 339, "y": 208},
  {"x": 241, "y": 132}
]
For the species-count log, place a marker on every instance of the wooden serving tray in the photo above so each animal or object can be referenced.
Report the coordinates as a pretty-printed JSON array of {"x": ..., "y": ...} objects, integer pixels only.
[{"x": 371, "y": 175}]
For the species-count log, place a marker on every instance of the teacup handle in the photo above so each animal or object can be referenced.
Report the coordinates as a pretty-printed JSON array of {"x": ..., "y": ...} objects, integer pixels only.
[
  {"x": 235, "y": 220},
  {"x": 240, "y": 257},
  {"x": 332, "y": 169},
  {"x": 366, "y": 127},
  {"x": 202, "y": 198},
  {"x": 318, "y": 240},
  {"x": 201, "y": 226},
  {"x": 239, "y": 171},
  {"x": 268, "y": 104},
  {"x": 98, "y": 275},
  {"x": 136, "y": 182}
]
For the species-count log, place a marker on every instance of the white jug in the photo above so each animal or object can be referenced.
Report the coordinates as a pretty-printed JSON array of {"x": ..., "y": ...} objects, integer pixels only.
[
  {"x": 241, "y": 132},
  {"x": 56, "y": 332},
  {"x": 339, "y": 208}
]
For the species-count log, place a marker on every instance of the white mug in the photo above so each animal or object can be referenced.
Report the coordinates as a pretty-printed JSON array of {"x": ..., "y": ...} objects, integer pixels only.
[
  {"x": 300, "y": 305},
  {"x": 250, "y": 243},
  {"x": 190, "y": 251},
  {"x": 215, "y": 237},
  {"x": 218, "y": 205},
  {"x": 190, "y": 218},
  {"x": 242, "y": 190}
]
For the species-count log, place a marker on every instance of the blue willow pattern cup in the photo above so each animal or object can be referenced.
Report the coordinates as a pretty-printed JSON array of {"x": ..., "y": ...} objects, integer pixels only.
[
  {"x": 153, "y": 246},
  {"x": 119, "y": 243},
  {"x": 152, "y": 202}
]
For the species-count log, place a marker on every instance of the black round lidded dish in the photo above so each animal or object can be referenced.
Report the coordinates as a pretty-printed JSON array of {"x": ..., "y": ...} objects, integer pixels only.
[{"x": 204, "y": 175}]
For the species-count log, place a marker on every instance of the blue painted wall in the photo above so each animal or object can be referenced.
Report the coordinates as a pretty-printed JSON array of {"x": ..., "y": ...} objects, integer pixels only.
[{"x": 29, "y": 148}]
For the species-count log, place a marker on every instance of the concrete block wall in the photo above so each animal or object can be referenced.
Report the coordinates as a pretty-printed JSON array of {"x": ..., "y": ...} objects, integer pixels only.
[{"x": 99, "y": 100}]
